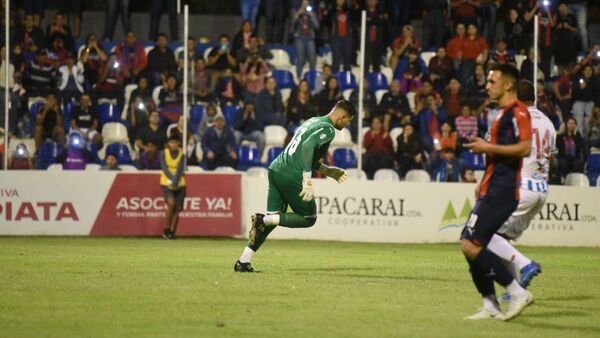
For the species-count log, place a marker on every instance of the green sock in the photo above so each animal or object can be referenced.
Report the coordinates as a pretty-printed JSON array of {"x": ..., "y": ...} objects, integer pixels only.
[{"x": 294, "y": 220}]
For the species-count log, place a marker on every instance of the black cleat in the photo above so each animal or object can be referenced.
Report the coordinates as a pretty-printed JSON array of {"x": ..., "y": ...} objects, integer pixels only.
[
  {"x": 243, "y": 267},
  {"x": 258, "y": 226},
  {"x": 168, "y": 234}
]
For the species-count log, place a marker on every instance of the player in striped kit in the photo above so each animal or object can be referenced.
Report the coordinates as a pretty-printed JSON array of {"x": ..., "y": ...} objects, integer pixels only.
[{"x": 533, "y": 190}]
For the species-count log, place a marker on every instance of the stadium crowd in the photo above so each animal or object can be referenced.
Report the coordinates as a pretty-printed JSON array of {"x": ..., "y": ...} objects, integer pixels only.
[{"x": 81, "y": 101}]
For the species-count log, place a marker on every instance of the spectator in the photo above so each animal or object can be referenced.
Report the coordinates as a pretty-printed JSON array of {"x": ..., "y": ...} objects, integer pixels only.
[
  {"x": 412, "y": 64},
  {"x": 403, "y": 44},
  {"x": 57, "y": 53},
  {"x": 218, "y": 145},
  {"x": 203, "y": 96},
  {"x": 20, "y": 160},
  {"x": 221, "y": 58},
  {"x": 74, "y": 8},
  {"x": 161, "y": 59},
  {"x": 59, "y": 29},
  {"x": 565, "y": 34},
  {"x": 410, "y": 153},
  {"x": 513, "y": 31},
  {"x": 579, "y": 9},
  {"x": 269, "y": 105},
  {"x": 18, "y": 59},
  {"x": 35, "y": 9},
  {"x": 304, "y": 28},
  {"x": 467, "y": 176},
  {"x": 546, "y": 23},
  {"x": 29, "y": 36},
  {"x": 92, "y": 56},
  {"x": 114, "y": 8},
  {"x": 71, "y": 80},
  {"x": 112, "y": 163},
  {"x": 254, "y": 49},
  {"x": 151, "y": 133},
  {"x": 327, "y": 98},
  {"x": 455, "y": 45},
  {"x": 434, "y": 23},
  {"x": 253, "y": 73},
  {"x": 41, "y": 76},
  {"x": 429, "y": 120},
  {"x": 193, "y": 55},
  {"x": 464, "y": 11},
  {"x": 75, "y": 156},
  {"x": 275, "y": 19},
  {"x": 171, "y": 99},
  {"x": 249, "y": 128},
  {"x": 132, "y": 57},
  {"x": 49, "y": 123},
  {"x": 229, "y": 89},
  {"x": 322, "y": 77},
  {"x": 466, "y": 126},
  {"x": 394, "y": 105},
  {"x": 562, "y": 90},
  {"x": 475, "y": 50},
  {"x": 527, "y": 67},
  {"x": 486, "y": 19},
  {"x": 376, "y": 21},
  {"x": 585, "y": 92},
  {"x": 149, "y": 159},
  {"x": 84, "y": 120},
  {"x": 379, "y": 150},
  {"x": 299, "y": 105},
  {"x": 208, "y": 120},
  {"x": 570, "y": 148},
  {"x": 369, "y": 100},
  {"x": 155, "y": 14},
  {"x": 453, "y": 99},
  {"x": 176, "y": 129},
  {"x": 501, "y": 55},
  {"x": 475, "y": 87},
  {"x": 447, "y": 138},
  {"x": 201, "y": 77},
  {"x": 341, "y": 36},
  {"x": 546, "y": 105},
  {"x": 249, "y": 9},
  {"x": 447, "y": 168},
  {"x": 241, "y": 40},
  {"x": 110, "y": 82},
  {"x": 140, "y": 105},
  {"x": 441, "y": 67},
  {"x": 423, "y": 92},
  {"x": 593, "y": 137}
]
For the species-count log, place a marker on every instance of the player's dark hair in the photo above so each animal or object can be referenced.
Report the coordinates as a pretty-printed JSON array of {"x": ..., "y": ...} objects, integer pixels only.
[
  {"x": 525, "y": 91},
  {"x": 507, "y": 70},
  {"x": 346, "y": 106}
]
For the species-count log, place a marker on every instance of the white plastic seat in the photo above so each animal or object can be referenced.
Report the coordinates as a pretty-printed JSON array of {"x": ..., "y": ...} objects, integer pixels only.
[
  {"x": 224, "y": 169},
  {"x": 356, "y": 174},
  {"x": 394, "y": 133},
  {"x": 92, "y": 167},
  {"x": 127, "y": 167},
  {"x": 479, "y": 175},
  {"x": 410, "y": 96},
  {"x": 342, "y": 138},
  {"x": 207, "y": 53},
  {"x": 388, "y": 175},
  {"x": 519, "y": 58},
  {"x": 177, "y": 51},
  {"x": 388, "y": 72},
  {"x": 281, "y": 59},
  {"x": 427, "y": 56},
  {"x": 114, "y": 132},
  {"x": 128, "y": 90},
  {"x": 257, "y": 172},
  {"x": 346, "y": 93},
  {"x": 379, "y": 95},
  {"x": 417, "y": 175},
  {"x": 156, "y": 95},
  {"x": 194, "y": 169},
  {"x": 275, "y": 135},
  {"x": 147, "y": 49},
  {"x": 55, "y": 167},
  {"x": 285, "y": 95},
  {"x": 577, "y": 180}
]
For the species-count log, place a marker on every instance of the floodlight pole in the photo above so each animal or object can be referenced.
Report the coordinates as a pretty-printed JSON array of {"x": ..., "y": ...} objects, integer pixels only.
[
  {"x": 361, "y": 85},
  {"x": 6, "y": 79},
  {"x": 185, "y": 83},
  {"x": 536, "y": 37}
]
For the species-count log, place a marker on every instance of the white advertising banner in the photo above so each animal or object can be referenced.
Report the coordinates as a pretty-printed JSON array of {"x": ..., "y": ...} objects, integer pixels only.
[{"x": 406, "y": 212}]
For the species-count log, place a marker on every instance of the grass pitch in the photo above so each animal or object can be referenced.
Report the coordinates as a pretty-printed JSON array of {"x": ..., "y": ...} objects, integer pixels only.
[{"x": 116, "y": 287}]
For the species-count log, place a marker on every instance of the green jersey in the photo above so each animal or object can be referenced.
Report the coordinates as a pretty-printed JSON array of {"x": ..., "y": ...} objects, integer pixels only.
[{"x": 309, "y": 144}]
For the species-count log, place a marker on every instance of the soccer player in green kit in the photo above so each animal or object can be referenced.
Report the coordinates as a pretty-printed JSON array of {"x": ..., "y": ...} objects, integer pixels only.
[{"x": 290, "y": 181}]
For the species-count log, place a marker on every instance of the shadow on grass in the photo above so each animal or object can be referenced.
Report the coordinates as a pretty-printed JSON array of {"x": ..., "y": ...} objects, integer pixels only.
[{"x": 553, "y": 326}]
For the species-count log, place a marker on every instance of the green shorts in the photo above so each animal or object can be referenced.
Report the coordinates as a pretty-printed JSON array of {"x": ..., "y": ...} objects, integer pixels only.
[{"x": 283, "y": 192}]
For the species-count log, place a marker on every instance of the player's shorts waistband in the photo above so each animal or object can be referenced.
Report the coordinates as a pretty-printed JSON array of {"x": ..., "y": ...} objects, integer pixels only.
[{"x": 534, "y": 185}]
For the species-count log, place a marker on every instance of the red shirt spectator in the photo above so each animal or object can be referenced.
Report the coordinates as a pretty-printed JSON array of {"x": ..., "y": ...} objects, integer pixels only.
[
  {"x": 473, "y": 44},
  {"x": 132, "y": 56},
  {"x": 455, "y": 45}
]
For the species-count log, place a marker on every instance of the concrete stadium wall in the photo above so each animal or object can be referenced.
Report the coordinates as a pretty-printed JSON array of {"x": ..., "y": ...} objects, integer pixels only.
[{"x": 131, "y": 204}]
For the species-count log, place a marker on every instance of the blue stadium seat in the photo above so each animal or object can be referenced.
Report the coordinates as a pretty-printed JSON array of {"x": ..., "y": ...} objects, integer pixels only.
[
  {"x": 248, "y": 157},
  {"x": 230, "y": 112},
  {"x": 284, "y": 78},
  {"x": 377, "y": 81},
  {"x": 89, "y": 146},
  {"x": 347, "y": 80},
  {"x": 33, "y": 110},
  {"x": 108, "y": 113},
  {"x": 593, "y": 168},
  {"x": 273, "y": 152},
  {"x": 121, "y": 151},
  {"x": 311, "y": 77},
  {"x": 67, "y": 112},
  {"x": 344, "y": 158},
  {"x": 196, "y": 114},
  {"x": 47, "y": 154},
  {"x": 472, "y": 161}
]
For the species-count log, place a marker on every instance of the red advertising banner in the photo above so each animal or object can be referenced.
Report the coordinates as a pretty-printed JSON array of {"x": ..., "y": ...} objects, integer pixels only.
[{"x": 135, "y": 206}]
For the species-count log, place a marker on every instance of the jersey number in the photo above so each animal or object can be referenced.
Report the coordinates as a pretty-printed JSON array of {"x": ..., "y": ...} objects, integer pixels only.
[
  {"x": 291, "y": 148},
  {"x": 542, "y": 145}
]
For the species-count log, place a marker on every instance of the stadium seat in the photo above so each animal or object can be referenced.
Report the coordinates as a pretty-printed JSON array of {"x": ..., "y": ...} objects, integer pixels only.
[
  {"x": 194, "y": 169},
  {"x": 230, "y": 112},
  {"x": 55, "y": 167},
  {"x": 347, "y": 80},
  {"x": 127, "y": 167},
  {"x": 273, "y": 153},
  {"x": 342, "y": 138},
  {"x": 577, "y": 180},
  {"x": 593, "y": 168},
  {"x": 248, "y": 157},
  {"x": 257, "y": 172},
  {"x": 356, "y": 174},
  {"x": 156, "y": 95},
  {"x": 344, "y": 158},
  {"x": 281, "y": 59},
  {"x": 394, "y": 133},
  {"x": 285, "y": 95},
  {"x": 47, "y": 154},
  {"x": 311, "y": 77},
  {"x": 472, "y": 161},
  {"x": 478, "y": 175},
  {"x": 34, "y": 107},
  {"x": 121, "y": 151},
  {"x": 67, "y": 112},
  {"x": 275, "y": 135},
  {"x": 346, "y": 93},
  {"x": 284, "y": 78},
  {"x": 207, "y": 53},
  {"x": 377, "y": 81},
  {"x": 417, "y": 175},
  {"x": 128, "y": 90},
  {"x": 196, "y": 113},
  {"x": 410, "y": 97},
  {"x": 427, "y": 56},
  {"x": 224, "y": 169},
  {"x": 108, "y": 113},
  {"x": 92, "y": 167},
  {"x": 114, "y": 132},
  {"x": 89, "y": 146},
  {"x": 519, "y": 58},
  {"x": 388, "y": 72},
  {"x": 379, "y": 95},
  {"x": 389, "y": 175}
]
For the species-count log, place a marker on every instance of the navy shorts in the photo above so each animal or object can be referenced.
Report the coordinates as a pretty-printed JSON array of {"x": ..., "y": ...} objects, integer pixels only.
[
  {"x": 488, "y": 215},
  {"x": 178, "y": 195}
]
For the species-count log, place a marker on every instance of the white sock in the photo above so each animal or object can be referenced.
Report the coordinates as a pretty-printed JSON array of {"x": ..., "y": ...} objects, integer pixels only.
[
  {"x": 503, "y": 249},
  {"x": 271, "y": 219},
  {"x": 247, "y": 255},
  {"x": 490, "y": 303},
  {"x": 515, "y": 289}
]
